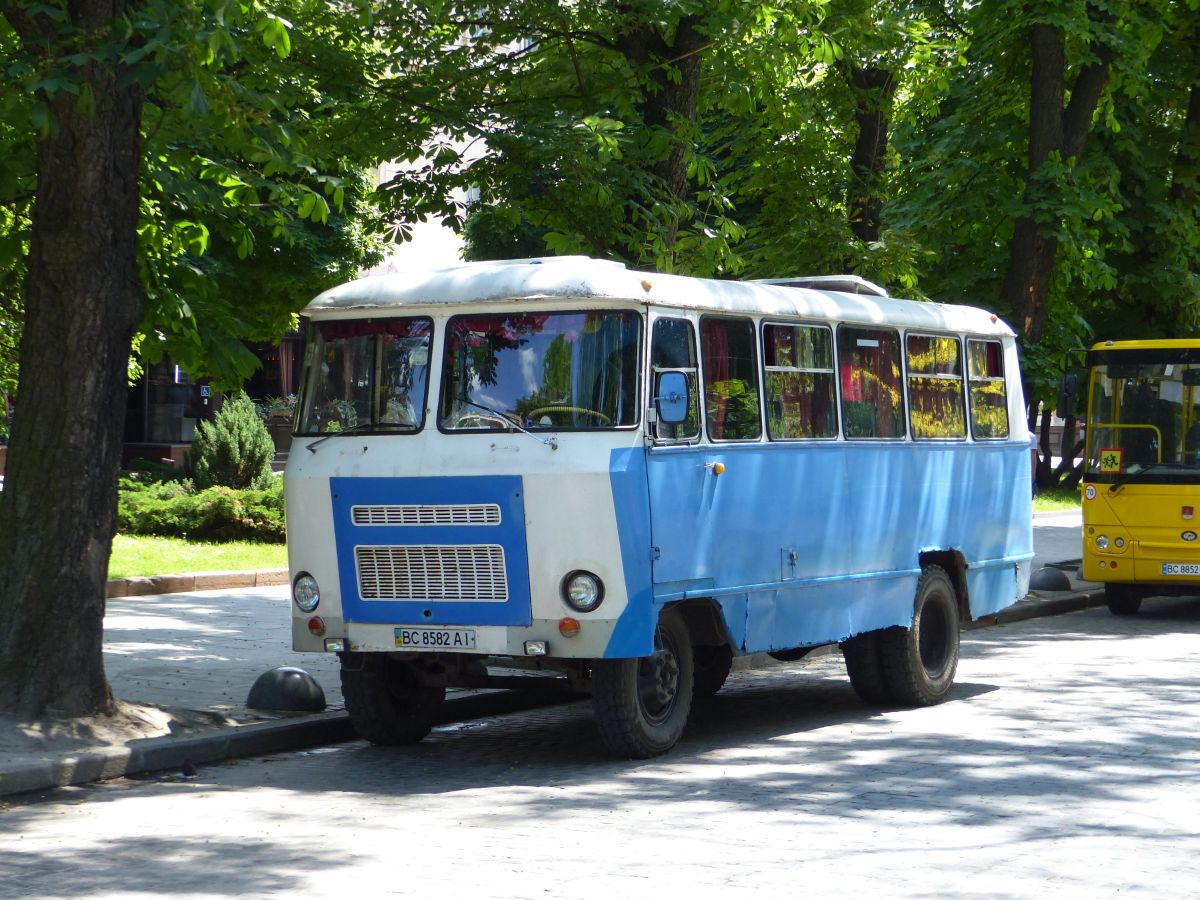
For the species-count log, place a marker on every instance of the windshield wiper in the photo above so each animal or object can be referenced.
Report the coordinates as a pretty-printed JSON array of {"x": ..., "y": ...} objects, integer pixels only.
[
  {"x": 312, "y": 448},
  {"x": 1133, "y": 476},
  {"x": 495, "y": 413}
]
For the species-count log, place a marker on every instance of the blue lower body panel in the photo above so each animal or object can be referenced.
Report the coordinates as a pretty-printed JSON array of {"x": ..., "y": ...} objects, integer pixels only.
[{"x": 805, "y": 544}]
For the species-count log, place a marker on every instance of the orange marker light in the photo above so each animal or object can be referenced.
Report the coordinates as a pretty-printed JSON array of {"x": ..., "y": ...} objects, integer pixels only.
[
  {"x": 568, "y": 627},
  {"x": 316, "y": 626},
  {"x": 718, "y": 468}
]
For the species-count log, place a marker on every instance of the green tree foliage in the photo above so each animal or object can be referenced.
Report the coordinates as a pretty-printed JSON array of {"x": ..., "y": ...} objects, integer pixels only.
[
  {"x": 593, "y": 116},
  {"x": 137, "y": 138},
  {"x": 234, "y": 450}
]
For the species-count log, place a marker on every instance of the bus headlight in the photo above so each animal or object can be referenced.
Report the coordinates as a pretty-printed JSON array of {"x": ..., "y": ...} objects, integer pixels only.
[
  {"x": 582, "y": 591},
  {"x": 306, "y": 592},
  {"x": 1119, "y": 543},
  {"x": 1102, "y": 542}
]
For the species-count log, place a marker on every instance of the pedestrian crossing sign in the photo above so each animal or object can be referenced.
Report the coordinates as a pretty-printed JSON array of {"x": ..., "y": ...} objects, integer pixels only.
[{"x": 1111, "y": 460}]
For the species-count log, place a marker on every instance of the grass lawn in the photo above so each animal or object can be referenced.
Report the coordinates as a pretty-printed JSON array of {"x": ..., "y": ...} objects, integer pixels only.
[
  {"x": 1056, "y": 499},
  {"x": 138, "y": 556}
]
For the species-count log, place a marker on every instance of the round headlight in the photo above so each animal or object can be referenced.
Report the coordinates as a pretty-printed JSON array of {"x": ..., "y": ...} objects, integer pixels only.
[
  {"x": 1102, "y": 542},
  {"x": 306, "y": 593},
  {"x": 583, "y": 591},
  {"x": 1119, "y": 543}
]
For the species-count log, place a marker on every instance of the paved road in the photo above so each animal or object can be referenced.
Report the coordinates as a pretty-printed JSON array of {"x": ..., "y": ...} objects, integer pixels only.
[
  {"x": 1057, "y": 538},
  {"x": 1065, "y": 764}
]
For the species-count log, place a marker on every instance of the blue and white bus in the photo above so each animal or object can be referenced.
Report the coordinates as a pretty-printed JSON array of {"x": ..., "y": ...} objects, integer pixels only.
[{"x": 627, "y": 480}]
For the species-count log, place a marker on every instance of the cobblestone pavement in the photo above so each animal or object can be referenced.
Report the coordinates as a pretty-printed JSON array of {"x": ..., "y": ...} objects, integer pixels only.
[{"x": 1065, "y": 764}]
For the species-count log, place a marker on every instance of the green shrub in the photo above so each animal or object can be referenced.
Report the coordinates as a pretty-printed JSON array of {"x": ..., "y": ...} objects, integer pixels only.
[
  {"x": 234, "y": 450},
  {"x": 147, "y": 470},
  {"x": 171, "y": 509}
]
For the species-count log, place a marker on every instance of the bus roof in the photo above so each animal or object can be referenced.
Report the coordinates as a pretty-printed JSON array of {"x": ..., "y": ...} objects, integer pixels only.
[
  {"x": 1158, "y": 344},
  {"x": 567, "y": 279}
]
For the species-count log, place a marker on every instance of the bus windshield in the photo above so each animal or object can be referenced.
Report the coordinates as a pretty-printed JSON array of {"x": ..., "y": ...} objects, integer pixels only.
[
  {"x": 366, "y": 376},
  {"x": 547, "y": 371},
  {"x": 1144, "y": 415}
]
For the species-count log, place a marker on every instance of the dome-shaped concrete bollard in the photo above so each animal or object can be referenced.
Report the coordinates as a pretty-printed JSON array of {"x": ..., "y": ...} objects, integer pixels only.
[
  {"x": 1048, "y": 578},
  {"x": 286, "y": 689}
]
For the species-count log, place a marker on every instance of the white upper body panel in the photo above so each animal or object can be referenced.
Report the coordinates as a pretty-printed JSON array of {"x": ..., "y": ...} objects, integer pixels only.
[{"x": 571, "y": 279}]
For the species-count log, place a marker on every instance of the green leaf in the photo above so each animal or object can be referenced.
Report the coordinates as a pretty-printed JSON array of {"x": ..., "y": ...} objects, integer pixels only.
[
  {"x": 304, "y": 210},
  {"x": 198, "y": 102}
]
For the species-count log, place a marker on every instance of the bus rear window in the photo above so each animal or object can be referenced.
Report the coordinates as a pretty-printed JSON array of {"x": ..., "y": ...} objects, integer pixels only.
[
  {"x": 989, "y": 397},
  {"x": 935, "y": 388}
]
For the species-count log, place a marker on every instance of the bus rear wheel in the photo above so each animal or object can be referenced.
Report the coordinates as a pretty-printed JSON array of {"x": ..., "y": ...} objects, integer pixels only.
[
  {"x": 1122, "y": 599},
  {"x": 864, "y": 665},
  {"x": 919, "y": 661},
  {"x": 388, "y": 700},
  {"x": 642, "y": 705}
]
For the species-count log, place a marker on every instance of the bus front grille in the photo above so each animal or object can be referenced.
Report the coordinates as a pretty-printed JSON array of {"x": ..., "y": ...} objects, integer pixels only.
[
  {"x": 473, "y": 572},
  {"x": 413, "y": 514}
]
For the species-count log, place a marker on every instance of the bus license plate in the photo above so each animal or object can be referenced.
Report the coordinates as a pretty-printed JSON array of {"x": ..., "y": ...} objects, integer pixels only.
[
  {"x": 1181, "y": 568},
  {"x": 436, "y": 638}
]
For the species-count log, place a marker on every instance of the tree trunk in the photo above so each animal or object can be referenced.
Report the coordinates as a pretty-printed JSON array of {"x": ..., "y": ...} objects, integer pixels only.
[
  {"x": 874, "y": 89},
  {"x": 82, "y": 304},
  {"x": 1052, "y": 129},
  {"x": 671, "y": 95}
]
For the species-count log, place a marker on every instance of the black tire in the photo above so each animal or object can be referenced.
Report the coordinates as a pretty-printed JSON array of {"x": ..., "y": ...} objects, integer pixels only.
[
  {"x": 642, "y": 704},
  {"x": 864, "y": 665},
  {"x": 388, "y": 701},
  {"x": 711, "y": 667},
  {"x": 1122, "y": 599},
  {"x": 919, "y": 661}
]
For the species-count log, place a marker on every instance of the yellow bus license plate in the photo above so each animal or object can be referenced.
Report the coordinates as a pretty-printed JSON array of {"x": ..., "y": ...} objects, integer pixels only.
[{"x": 1181, "y": 568}]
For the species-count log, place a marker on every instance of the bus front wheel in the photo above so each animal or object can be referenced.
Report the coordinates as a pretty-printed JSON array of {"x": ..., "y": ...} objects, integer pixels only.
[
  {"x": 919, "y": 661},
  {"x": 642, "y": 705},
  {"x": 1122, "y": 599},
  {"x": 712, "y": 666},
  {"x": 388, "y": 700}
]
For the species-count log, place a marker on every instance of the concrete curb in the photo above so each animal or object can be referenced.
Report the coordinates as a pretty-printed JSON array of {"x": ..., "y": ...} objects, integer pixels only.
[
  {"x": 251, "y": 739},
  {"x": 1046, "y": 604},
  {"x": 177, "y": 751},
  {"x": 196, "y": 581}
]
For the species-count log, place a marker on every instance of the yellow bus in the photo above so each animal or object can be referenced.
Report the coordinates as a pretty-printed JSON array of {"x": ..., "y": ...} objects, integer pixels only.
[{"x": 1141, "y": 482}]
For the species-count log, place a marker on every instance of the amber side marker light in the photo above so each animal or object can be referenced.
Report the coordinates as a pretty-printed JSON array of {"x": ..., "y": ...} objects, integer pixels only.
[
  {"x": 316, "y": 626},
  {"x": 568, "y": 627}
]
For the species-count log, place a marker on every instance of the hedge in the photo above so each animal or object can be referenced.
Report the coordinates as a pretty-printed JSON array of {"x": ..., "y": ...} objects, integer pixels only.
[{"x": 176, "y": 509}]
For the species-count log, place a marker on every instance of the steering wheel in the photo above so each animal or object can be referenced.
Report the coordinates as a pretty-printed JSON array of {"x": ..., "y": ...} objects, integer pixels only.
[
  {"x": 534, "y": 413},
  {"x": 479, "y": 420}
]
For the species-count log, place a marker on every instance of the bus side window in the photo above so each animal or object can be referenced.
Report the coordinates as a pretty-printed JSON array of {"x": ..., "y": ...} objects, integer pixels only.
[
  {"x": 673, "y": 348},
  {"x": 799, "y": 382},
  {"x": 872, "y": 393},
  {"x": 935, "y": 388},
  {"x": 989, "y": 395},
  {"x": 731, "y": 403}
]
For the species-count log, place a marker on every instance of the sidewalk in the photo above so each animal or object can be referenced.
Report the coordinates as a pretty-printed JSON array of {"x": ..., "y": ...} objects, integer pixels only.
[{"x": 196, "y": 656}]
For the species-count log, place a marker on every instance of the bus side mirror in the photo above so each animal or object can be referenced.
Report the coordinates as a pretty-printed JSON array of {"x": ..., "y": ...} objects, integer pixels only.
[
  {"x": 1068, "y": 392},
  {"x": 672, "y": 400}
]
